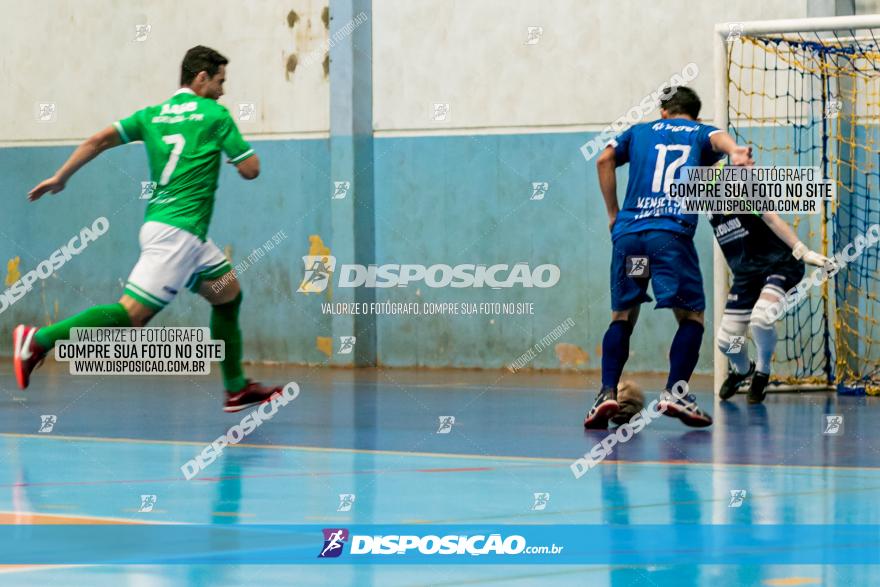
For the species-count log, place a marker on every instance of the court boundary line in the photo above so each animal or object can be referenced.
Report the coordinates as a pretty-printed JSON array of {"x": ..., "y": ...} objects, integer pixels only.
[
  {"x": 325, "y": 449},
  {"x": 85, "y": 518}
]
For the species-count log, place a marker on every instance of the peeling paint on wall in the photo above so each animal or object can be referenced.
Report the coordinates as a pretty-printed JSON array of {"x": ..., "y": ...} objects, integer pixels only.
[
  {"x": 571, "y": 355},
  {"x": 325, "y": 18},
  {"x": 292, "y": 18},
  {"x": 12, "y": 272},
  {"x": 290, "y": 66},
  {"x": 325, "y": 345},
  {"x": 317, "y": 248}
]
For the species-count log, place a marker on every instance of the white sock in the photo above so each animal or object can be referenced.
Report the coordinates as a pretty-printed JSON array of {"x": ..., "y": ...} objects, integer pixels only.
[
  {"x": 765, "y": 344},
  {"x": 740, "y": 361},
  {"x": 730, "y": 328},
  {"x": 763, "y": 328}
]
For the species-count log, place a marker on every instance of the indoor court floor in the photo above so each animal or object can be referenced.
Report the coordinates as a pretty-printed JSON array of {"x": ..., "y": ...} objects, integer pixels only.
[{"x": 374, "y": 434}]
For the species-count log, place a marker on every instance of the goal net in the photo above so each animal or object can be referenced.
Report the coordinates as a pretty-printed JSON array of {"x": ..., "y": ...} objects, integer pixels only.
[{"x": 807, "y": 93}]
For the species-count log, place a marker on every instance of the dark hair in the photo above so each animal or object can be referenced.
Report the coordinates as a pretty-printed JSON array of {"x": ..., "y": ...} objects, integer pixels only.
[
  {"x": 197, "y": 59},
  {"x": 681, "y": 100}
]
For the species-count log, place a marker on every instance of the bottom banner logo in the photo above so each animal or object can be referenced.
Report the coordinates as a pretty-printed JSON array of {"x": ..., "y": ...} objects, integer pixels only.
[{"x": 334, "y": 540}]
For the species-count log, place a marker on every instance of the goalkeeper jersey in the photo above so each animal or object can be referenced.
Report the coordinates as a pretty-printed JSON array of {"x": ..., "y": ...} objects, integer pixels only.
[
  {"x": 184, "y": 137},
  {"x": 749, "y": 245}
]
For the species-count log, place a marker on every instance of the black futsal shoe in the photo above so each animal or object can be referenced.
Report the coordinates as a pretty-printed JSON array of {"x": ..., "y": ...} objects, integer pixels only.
[
  {"x": 758, "y": 388},
  {"x": 730, "y": 385}
]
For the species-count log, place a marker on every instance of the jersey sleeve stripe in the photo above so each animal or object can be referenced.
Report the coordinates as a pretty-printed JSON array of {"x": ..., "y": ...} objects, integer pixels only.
[
  {"x": 121, "y": 132},
  {"x": 714, "y": 131},
  {"x": 243, "y": 156}
]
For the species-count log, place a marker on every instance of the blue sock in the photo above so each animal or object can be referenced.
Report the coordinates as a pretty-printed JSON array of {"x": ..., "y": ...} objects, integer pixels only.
[
  {"x": 684, "y": 352},
  {"x": 615, "y": 352}
]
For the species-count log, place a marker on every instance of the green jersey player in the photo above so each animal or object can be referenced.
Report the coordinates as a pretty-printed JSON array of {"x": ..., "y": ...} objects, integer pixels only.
[{"x": 184, "y": 137}]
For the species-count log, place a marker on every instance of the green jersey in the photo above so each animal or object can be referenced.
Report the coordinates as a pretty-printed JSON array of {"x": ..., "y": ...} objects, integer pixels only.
[{"x": 184, "y": 137}]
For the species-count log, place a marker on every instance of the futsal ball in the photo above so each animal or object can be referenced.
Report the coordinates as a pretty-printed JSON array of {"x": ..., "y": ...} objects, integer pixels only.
[{"x": 631, "y": 399}]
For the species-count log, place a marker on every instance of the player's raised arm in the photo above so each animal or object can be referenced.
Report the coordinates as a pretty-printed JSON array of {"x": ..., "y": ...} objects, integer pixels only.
[
  {"x": 606, "y": 165},
  {"x": 88, "y": 150},
  {"x": 787, "y": 235},
  {"x": 722, "y": 142},
  {"x": 239, "y": 151},
  {"x": 249, "y": 168}
]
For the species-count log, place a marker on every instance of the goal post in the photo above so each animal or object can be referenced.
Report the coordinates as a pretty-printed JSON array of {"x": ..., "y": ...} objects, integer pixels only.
[{"x": 806, "y": 92}]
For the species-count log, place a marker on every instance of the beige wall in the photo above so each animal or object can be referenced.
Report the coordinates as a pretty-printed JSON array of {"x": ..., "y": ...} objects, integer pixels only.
[
  {"x": 595, "y": 60},
  {"x": 82, "y": 56}
]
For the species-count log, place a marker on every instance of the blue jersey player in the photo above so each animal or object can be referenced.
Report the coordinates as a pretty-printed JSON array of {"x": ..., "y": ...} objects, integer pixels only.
[{"x": 653, "y": 242}]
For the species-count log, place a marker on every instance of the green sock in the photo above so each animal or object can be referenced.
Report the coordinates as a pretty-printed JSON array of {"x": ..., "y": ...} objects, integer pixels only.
[
  {"x": 94, "y": 317},
  {"x": 224, "y": 326}
]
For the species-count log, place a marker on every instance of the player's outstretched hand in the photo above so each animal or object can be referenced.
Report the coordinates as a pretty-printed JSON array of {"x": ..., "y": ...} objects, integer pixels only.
[
  {"x": 803, "y": 253},
  {"x": 53, "y": 185},
  {"x": 817, "y": 260},
  {"x": 742, "y": 156}
]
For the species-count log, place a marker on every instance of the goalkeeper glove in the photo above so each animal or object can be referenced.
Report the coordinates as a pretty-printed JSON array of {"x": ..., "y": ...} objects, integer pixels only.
[{"x": 802, "y": 253}]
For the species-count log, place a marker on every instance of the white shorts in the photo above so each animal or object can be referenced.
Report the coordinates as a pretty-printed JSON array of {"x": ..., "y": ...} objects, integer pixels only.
[{"x": 171, "y": 259}]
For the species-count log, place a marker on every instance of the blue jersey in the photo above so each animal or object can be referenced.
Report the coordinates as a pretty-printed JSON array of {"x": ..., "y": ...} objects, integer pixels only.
[{"x": 656, "y": 152}]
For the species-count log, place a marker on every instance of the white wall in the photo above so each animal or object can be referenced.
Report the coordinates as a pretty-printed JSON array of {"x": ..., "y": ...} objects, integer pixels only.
[
  {"x": 82, "y": 56},
  {"x": 595, "y": 60}
]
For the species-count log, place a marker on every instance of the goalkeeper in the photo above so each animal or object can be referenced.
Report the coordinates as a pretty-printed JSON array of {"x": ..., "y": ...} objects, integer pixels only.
[{"x": 766, "y": 259}]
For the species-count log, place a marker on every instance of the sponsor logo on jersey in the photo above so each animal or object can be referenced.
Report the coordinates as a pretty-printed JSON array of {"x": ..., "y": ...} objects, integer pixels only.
[
  {"x": 674, "y": 127},
  {"x": 174, "y": 113},
  {"x": 723, "y": 229},
  {"x": 179, "y": 108}
]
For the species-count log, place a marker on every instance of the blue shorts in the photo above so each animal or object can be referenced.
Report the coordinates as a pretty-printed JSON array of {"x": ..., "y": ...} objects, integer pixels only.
[{"x": 667, "y": 260}]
